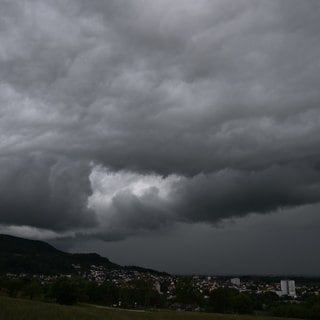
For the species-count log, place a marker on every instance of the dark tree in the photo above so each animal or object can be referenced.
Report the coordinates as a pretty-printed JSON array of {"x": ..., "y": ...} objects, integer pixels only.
[{"x": 68, "y": 290}]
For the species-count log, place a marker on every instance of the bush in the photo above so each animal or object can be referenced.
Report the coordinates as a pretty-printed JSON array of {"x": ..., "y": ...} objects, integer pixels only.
[{"x": 68, "y": 290}]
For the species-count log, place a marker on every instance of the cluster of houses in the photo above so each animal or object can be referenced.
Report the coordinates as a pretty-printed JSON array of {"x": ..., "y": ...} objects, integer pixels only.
[{"x": 166, "y": 284}]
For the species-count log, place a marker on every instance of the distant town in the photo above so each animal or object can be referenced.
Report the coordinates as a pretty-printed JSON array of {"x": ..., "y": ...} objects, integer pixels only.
[
  {"x": 36, "y": 270},
  {"x": 165, "y": 284}
]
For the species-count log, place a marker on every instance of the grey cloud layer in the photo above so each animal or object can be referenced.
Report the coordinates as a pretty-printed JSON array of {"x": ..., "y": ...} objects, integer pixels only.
[
  {"x": 42, "y": 192},
  {"x": 223, "y": 94},
  {"x": 280, "y": 243}
]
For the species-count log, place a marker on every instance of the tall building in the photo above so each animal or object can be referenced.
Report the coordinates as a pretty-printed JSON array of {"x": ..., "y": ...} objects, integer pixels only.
[{"x": 288, "y": 288}]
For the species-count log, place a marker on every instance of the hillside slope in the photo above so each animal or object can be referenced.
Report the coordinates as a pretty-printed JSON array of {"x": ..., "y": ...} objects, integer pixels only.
[
  {"x": 13, "y": 309},
  {"x": 18, "y": 255}
]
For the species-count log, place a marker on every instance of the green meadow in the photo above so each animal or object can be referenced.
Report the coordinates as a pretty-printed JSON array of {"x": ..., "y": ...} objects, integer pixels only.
[{"x": 18, "y": 309}]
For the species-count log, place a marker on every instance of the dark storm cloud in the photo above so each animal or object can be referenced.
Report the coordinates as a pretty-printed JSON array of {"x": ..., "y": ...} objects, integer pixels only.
[
  {"x": 45, "y": 193},
  {"x": 227, "y": 193},
  {"x": 221, "y": 97},
  {"x": 206, "y": 198}
]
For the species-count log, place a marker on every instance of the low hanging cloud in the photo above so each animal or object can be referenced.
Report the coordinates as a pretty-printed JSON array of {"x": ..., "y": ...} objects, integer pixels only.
[
  {"x": 127, "y": 203},
  {"x": 42, "y": 192},
  {"x": 121, "y": 117}
]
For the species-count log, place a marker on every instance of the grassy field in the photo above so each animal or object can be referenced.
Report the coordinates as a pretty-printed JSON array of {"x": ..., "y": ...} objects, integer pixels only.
[{"x": 17, "y": 309}]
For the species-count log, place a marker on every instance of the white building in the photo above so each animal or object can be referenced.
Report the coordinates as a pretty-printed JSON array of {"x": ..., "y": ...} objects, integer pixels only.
[
  {"x": 288, "y": 288},
  {"x": 235, "y": 281},
  {"x": 157, "y": 287}
]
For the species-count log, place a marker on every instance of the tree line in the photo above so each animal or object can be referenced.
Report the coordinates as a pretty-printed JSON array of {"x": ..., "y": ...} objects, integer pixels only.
[{"x": 141, "y": 293}]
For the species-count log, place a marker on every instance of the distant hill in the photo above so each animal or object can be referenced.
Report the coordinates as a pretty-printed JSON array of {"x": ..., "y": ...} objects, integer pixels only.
[{"x": 18, "y": 255}]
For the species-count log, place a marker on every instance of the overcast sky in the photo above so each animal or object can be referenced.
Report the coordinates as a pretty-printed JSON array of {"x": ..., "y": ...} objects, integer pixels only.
[{"x": 179, "y": 135}]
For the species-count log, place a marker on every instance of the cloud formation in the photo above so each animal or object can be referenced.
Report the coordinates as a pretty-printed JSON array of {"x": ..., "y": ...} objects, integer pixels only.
[{"x": 118, "y": 117}]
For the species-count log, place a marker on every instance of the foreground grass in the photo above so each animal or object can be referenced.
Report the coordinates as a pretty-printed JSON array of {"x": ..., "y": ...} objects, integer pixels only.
[{"x": 18, "y": 309}]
